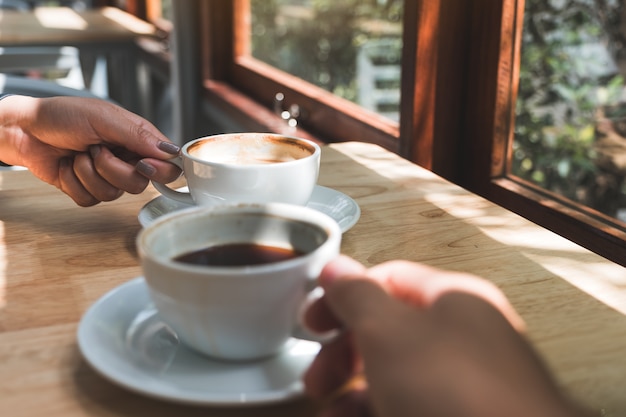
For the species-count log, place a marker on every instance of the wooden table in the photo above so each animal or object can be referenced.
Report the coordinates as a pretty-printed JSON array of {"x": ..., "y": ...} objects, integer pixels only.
[
  {"x": 105, "y": 31},
  {"x": 56, "y": 259}
]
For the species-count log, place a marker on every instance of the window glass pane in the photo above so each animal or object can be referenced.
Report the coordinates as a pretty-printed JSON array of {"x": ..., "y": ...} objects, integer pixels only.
[
  {"x": 570, "y": 134},
  {"x": 166, "y": 9},
  {"x": 351, "y": 48}
]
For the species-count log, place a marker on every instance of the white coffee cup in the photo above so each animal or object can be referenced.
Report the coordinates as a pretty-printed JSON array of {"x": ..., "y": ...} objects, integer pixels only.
[
  {"x": 239, "y": 312},
  {"x": 247, "y": 168}
]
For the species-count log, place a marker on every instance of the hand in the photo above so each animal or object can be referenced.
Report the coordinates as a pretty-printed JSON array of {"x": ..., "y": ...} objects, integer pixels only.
[
  {"x": 428, "y": 342},
  {"x": 90, "y": 149}
]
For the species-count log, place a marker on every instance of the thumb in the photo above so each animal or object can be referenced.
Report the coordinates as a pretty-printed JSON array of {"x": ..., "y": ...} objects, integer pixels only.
[
  {"x": 356, "y": 300},
  {"x": 318, "y": 317},
  {"x": 353, "y": 297}
]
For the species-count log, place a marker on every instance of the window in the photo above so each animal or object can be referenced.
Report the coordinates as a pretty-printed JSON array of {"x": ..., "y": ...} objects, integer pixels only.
[
  {"x": 234, "y": 75},
  {"x": 494, "y": 66},
  {"x": 263, "y": 82},
  {"x": 349, "y": 48},
  {"x": 569, "y": 136},
  {"x": 460, "y": 65}
]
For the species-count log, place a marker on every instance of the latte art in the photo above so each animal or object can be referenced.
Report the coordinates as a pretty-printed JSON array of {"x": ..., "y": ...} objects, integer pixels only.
[{"x": 247, "y": 150}]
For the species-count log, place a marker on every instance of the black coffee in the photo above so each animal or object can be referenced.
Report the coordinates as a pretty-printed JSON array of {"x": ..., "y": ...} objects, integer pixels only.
[{"x": 238, "y": 254}]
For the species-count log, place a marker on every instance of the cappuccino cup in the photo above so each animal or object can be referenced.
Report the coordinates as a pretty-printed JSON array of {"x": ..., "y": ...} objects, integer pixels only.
[
  {"x": 246, "y": 168},
  {"x": 230, "y": 281}
]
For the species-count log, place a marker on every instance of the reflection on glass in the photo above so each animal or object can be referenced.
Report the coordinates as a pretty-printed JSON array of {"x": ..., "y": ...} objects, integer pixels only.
[
  {"x": 570, "y": 134},
  {"x": 351, "y": 48}
]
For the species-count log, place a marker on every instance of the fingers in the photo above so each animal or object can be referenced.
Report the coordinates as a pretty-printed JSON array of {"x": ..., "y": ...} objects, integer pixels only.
[
  {"x": 389, "y": 335},
  {"x": 357, "y": 302},
  {"x": 100, "y": 188},
  {"x": 353, "y": 404},
  {"x": 421, "y": 285},
  {"x": 115, "y": 171},
  {"x": 335, "y": 364},
  {"x": 414, "y": 327},
  {"x": 318, "y": 317},
  {"x": 335, "y": 379},
  {"x": 98, "y": 176},
  {"x": 74, "y": 123},
  {"x": 103, "y": 141},
  {"x": 71, "y": 185},
  {"x": 417, "y": 285},
  {"x": 157, "y": 170},
  {"x": 130, "y": 176},
  {"x": 341, "y": 266},
  {"x": 132, "y": 132}
]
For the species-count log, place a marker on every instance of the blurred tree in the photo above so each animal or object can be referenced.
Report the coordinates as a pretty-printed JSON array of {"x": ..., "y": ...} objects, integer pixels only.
[
  {"x": 317, "y": 40},
  {"x": 573, "y": 66}
]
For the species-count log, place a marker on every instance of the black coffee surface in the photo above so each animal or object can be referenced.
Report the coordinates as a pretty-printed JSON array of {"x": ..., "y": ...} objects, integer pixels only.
[{"x": 238, "y": 254}]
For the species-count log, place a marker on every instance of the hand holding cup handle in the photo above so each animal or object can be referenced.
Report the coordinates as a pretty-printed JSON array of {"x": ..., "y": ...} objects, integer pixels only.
[
  {"x": 183, "y": 197},
  {"x": 253, "y": 168}
]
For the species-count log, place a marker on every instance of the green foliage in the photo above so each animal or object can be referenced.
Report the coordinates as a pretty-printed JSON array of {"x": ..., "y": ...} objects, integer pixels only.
[
  {"x": 560, "y": 92},
  {"x": 317, "y": 40}
]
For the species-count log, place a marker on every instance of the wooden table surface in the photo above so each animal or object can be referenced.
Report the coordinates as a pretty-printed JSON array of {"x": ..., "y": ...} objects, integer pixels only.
[
  {"x": 65, "y": 26},
  {"x": 56, "y": 259}
]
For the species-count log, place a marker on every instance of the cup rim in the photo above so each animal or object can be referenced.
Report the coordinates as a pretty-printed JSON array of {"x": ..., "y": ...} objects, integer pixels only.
[
  {"x": 184, "y": 150},
  {"x": 285, "y": 210}
]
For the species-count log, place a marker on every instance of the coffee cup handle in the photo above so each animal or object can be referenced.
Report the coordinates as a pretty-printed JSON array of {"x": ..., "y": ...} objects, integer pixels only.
[
  {"x": 182, "y": 196},
  {"x": 302, "y": 331}
]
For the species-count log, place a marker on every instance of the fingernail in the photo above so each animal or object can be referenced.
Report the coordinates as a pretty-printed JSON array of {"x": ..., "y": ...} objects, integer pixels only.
[
  {"x": 169, "y": 147},
  {"x": 94, "y": 150},
  {"x": 145, "y": 168}
]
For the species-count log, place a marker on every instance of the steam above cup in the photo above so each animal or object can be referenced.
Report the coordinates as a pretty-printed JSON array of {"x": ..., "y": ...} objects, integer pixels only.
[{"x": 247, "y": 168}]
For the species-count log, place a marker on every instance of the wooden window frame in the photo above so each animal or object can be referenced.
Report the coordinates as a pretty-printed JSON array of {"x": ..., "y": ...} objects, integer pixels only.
[
  {"x": 493, "y": 73},
  {"x": 244, "y": 87}
]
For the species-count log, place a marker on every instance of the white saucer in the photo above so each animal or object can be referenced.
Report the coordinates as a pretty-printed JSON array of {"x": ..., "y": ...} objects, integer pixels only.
[
  {"x": 122, "y": 337},
  {"x": 336, "y": 204}
]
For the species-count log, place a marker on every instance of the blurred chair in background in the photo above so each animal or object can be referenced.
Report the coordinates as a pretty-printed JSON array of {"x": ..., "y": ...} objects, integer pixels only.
[
  {"x": 58, "y": 64},
  {"x": 11, "y": 84},
  {"x": 61, "y": 64}
]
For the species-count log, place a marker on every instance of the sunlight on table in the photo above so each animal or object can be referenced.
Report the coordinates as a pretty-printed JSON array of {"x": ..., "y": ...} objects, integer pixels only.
[
  {"x": 60, "y": 18},
  {"x": 555, "y": 253},
  {"x": 128, "y": 21},
  {"x": 569, "y": 262}
]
